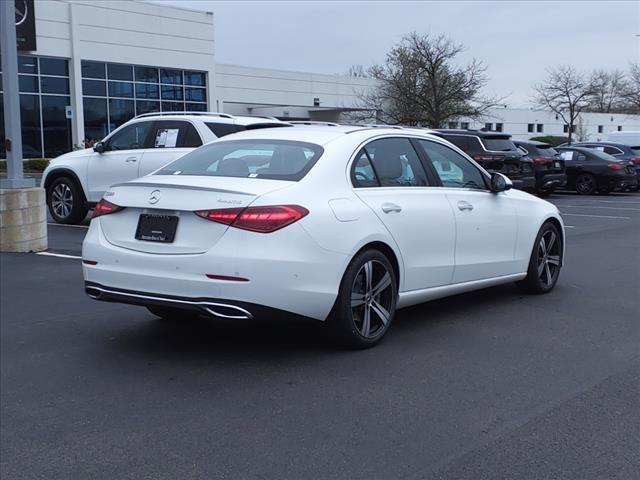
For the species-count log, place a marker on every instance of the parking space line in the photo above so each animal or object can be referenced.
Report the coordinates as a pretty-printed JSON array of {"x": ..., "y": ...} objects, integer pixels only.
[
  {"x": 594, "y": 216},
  {"x": 594, "y": 206},
  {"x": 63, "y": 225},
  {"x": 59, "y": 255}
]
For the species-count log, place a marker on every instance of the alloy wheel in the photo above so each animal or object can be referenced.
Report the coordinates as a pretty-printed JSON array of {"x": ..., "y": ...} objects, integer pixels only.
[
  {"x": 585, "y": 184},
  {"x": 548, "y": 258},
  {"x": 372, "y": 299},
  {"x": 62, "y": 200}
]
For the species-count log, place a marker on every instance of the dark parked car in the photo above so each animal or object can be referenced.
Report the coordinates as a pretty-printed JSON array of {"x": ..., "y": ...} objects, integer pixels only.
[
  {"x": 496, "y": 152},
  {"x": 547, "y": 165},
  {"x": 618, "y": 150},
  {"x": 590, "y": 171}
]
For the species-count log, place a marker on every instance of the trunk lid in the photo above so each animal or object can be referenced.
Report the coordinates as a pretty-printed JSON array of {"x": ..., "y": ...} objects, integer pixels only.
[{"x": 178, "y": 196}]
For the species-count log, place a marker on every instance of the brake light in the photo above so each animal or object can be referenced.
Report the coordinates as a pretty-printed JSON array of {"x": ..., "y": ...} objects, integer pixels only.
[
  {"x": 542, "y": 160},
  {"x": 256, "y": 219},
  {"x": 487, "y": 158},
  {"x": 635, "y": 160},
  {"x": 103, "y": 207},
  {"x": 616, "y": 166}
]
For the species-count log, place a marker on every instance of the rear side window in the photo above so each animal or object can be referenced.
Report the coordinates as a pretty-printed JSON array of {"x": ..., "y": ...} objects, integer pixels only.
[
  {"x": 612, "y": 150},
  {"x": 273, "y": 159},
  {"x": 174, "y": 134},
  {"x": 222, "y": 129},
  {"x": 363, "y": 174},
  {"x": 396, "y": 163},
  {"x": 498, "y": 144}
]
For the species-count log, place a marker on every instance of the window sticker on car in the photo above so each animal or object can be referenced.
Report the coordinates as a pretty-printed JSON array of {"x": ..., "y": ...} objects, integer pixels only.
[
  {"x": 566, "y": 155},
  {"x": 166, "y": 137}
]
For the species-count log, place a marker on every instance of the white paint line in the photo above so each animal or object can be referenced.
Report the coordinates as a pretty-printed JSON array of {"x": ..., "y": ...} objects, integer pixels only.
[
  {"x": 59, "y": 255},
  {"x": 63, "y": 225},
  {"x": 594, "y": 216},
  {"x": 594, "y": 206},
  {"x": 569, "y": 226}
]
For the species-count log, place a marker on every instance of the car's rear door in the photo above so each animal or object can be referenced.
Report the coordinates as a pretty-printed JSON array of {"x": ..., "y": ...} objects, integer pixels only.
[
  {"x": 169, "y": 140},
  {"x": 486, "y": 222},
  {"x": 389, "y": 177}
]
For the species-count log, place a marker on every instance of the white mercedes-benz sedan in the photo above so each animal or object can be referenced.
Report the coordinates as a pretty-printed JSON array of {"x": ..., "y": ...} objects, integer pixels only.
[{"x": 333, "y": 223}]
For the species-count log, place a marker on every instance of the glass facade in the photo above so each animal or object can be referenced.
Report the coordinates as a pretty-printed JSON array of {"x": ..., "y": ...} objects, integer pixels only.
[
  {"x": 44, "y": 93},
  {"x": 113, "y": 93}
]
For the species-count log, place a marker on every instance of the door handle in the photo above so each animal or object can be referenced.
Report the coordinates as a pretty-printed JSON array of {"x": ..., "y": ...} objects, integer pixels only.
[
  {"x": 391, "y": 208},
  {"x": 131, "y": 159},
  {"x": 462, "y": 206}
]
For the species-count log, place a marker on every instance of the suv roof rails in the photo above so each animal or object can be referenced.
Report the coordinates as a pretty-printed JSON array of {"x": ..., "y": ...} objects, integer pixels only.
[
  {"x": 373, "y": 125},
  {"x": 204, "y": 114},
  {"x": 312, "y": 122}
]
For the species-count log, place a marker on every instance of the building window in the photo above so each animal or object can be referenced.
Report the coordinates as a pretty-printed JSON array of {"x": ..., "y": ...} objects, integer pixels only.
[
  {"x": 488, "y": 127},
  {"x": 600, "y": 128},
  {"x": 113, "y": 93},
  {"x": 619, "y": 128},
  {"x": 498, "y": 127},
  {"x": 530, "y": 127},
  {"x": 43, "y": 84},
  {"x": 540, "y": 128},
  {"x": 565, "y": 128},
  {"x": 464, "y": 125},
  {"x": 453, "y": 124}
]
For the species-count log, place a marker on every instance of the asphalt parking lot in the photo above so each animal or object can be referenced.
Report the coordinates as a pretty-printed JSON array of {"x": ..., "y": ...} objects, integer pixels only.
[{"x": 491, "y": 384}]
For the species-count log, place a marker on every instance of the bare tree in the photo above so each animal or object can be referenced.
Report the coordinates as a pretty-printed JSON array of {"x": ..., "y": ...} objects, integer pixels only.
[
  {"x": 632, "y": 89},
  {"x": 566, "y": 92},
  {"x": 608, "y": 89},
  {"x": 420, "y": 85},
  {"x": 357, "y": 71}
]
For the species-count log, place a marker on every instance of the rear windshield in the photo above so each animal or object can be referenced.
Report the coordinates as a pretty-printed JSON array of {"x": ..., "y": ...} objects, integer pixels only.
[
  {"x": 273, "y": 159},
  {"x": 547, "y": 150},
  {"x": 498, "y": 144},
  {"x": 605, "y": 156},
  {"x": 635, "y": 150}
]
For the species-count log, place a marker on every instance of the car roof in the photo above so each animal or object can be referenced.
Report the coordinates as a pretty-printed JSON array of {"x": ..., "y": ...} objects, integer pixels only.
[
  {"x": 214, "y": 117},
  {"x": 474, "y": 133},
  {"x": 605, "y": 143},
  {"x": 579, "y": 149},
  {"x": 321, "y": 134}
]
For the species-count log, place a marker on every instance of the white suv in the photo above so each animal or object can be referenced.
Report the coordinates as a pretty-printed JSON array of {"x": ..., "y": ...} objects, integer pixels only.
[{"x": 75, "y": 181}]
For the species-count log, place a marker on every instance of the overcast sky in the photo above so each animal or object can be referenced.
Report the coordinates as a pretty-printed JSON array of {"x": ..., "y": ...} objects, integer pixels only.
[{"x": 517, "y": 40}]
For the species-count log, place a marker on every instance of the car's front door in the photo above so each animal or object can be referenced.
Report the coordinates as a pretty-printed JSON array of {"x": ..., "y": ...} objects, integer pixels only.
[
  {"x": 391, "y": 180},
  {"x": 486, "y": 222},
  {"x": 170, "y": 139},
  {"x": 120, "y": 160},
  {"x": 574, "y": 162}
]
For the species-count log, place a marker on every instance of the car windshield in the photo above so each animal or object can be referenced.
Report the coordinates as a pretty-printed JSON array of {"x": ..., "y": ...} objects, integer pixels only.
[
  {"x": 273, "y": 159},
  {"x": 499, "y": 144}
]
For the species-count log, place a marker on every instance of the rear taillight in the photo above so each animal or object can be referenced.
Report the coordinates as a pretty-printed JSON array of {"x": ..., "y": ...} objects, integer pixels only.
[
  {"x": 635, "y": 160},
  {"x": 616, "y": 166},
  {"x": 104, "y": 207},
  {"x": 542, "y": 160},
  {"x": 487, "y": 158},
  {"x": 256, "y": 219}
]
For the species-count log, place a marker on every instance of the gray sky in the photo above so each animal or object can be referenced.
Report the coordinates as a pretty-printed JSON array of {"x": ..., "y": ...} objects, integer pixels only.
[{"x": 517, "y": 40}]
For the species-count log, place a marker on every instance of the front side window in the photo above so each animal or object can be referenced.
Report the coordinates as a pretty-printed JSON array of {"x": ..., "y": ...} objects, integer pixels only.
[
  {"x": 453, "y": 169},
  {"x": 131, "y": 137},
  {"x": 272, "y": 159},
  {"x": 396, "y": 163}
]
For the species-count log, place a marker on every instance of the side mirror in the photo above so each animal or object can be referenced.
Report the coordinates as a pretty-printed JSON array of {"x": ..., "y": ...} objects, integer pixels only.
[
  {"x": 500, "y": 182},
  {"x": 98, "y": 147}
]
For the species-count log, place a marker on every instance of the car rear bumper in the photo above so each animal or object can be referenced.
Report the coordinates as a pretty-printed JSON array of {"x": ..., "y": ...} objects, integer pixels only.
[
  {"x": 550, "y": 181},
  {"x": 288, "y": 273},
  {"x": 617, "y": 182}
]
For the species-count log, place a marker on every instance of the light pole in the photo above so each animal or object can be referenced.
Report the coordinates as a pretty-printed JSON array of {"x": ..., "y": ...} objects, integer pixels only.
[{"x": 23, "y": 218}]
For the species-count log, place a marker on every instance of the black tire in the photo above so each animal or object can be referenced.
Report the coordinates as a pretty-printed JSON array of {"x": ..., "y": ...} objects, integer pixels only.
[
  {"x": 376, "y": 304},
  {"x": 544, "y": 193},
  {"x": 172, "y": 314},
  {"x": 544, "y": 266},
  {"x": 66, "y": 201},
  {"x": 586, "y": 184}
]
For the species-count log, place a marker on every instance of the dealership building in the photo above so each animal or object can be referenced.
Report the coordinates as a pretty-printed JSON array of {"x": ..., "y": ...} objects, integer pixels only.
[{"x": 96, "y": 64}]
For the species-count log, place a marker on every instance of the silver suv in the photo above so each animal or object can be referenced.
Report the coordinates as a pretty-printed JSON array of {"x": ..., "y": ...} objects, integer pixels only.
[{"x": 75, "y": 181}]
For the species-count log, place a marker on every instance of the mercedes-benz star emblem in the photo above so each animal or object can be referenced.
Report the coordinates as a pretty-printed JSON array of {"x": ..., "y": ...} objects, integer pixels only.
[
  {"x": 22, "y": 12},
  {"x": 154, "y": 197}
]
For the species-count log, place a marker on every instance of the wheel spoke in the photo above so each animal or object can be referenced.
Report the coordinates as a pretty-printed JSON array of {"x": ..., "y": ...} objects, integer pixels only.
[
  {"x": 554, "y": 259},
  {"x": 552, "y": 241},
  {"x": 357, "y": 299},
  {"x": 541, "y": 265},
  {"x": 384, "y": 282},
  {"x": 547, "y": 273},
  {"x": 381, "y": 312},
  {"x": 368, "y": 275},
  {"x": 366, "y": 322},
  {"x": 543, "y": 245}
]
